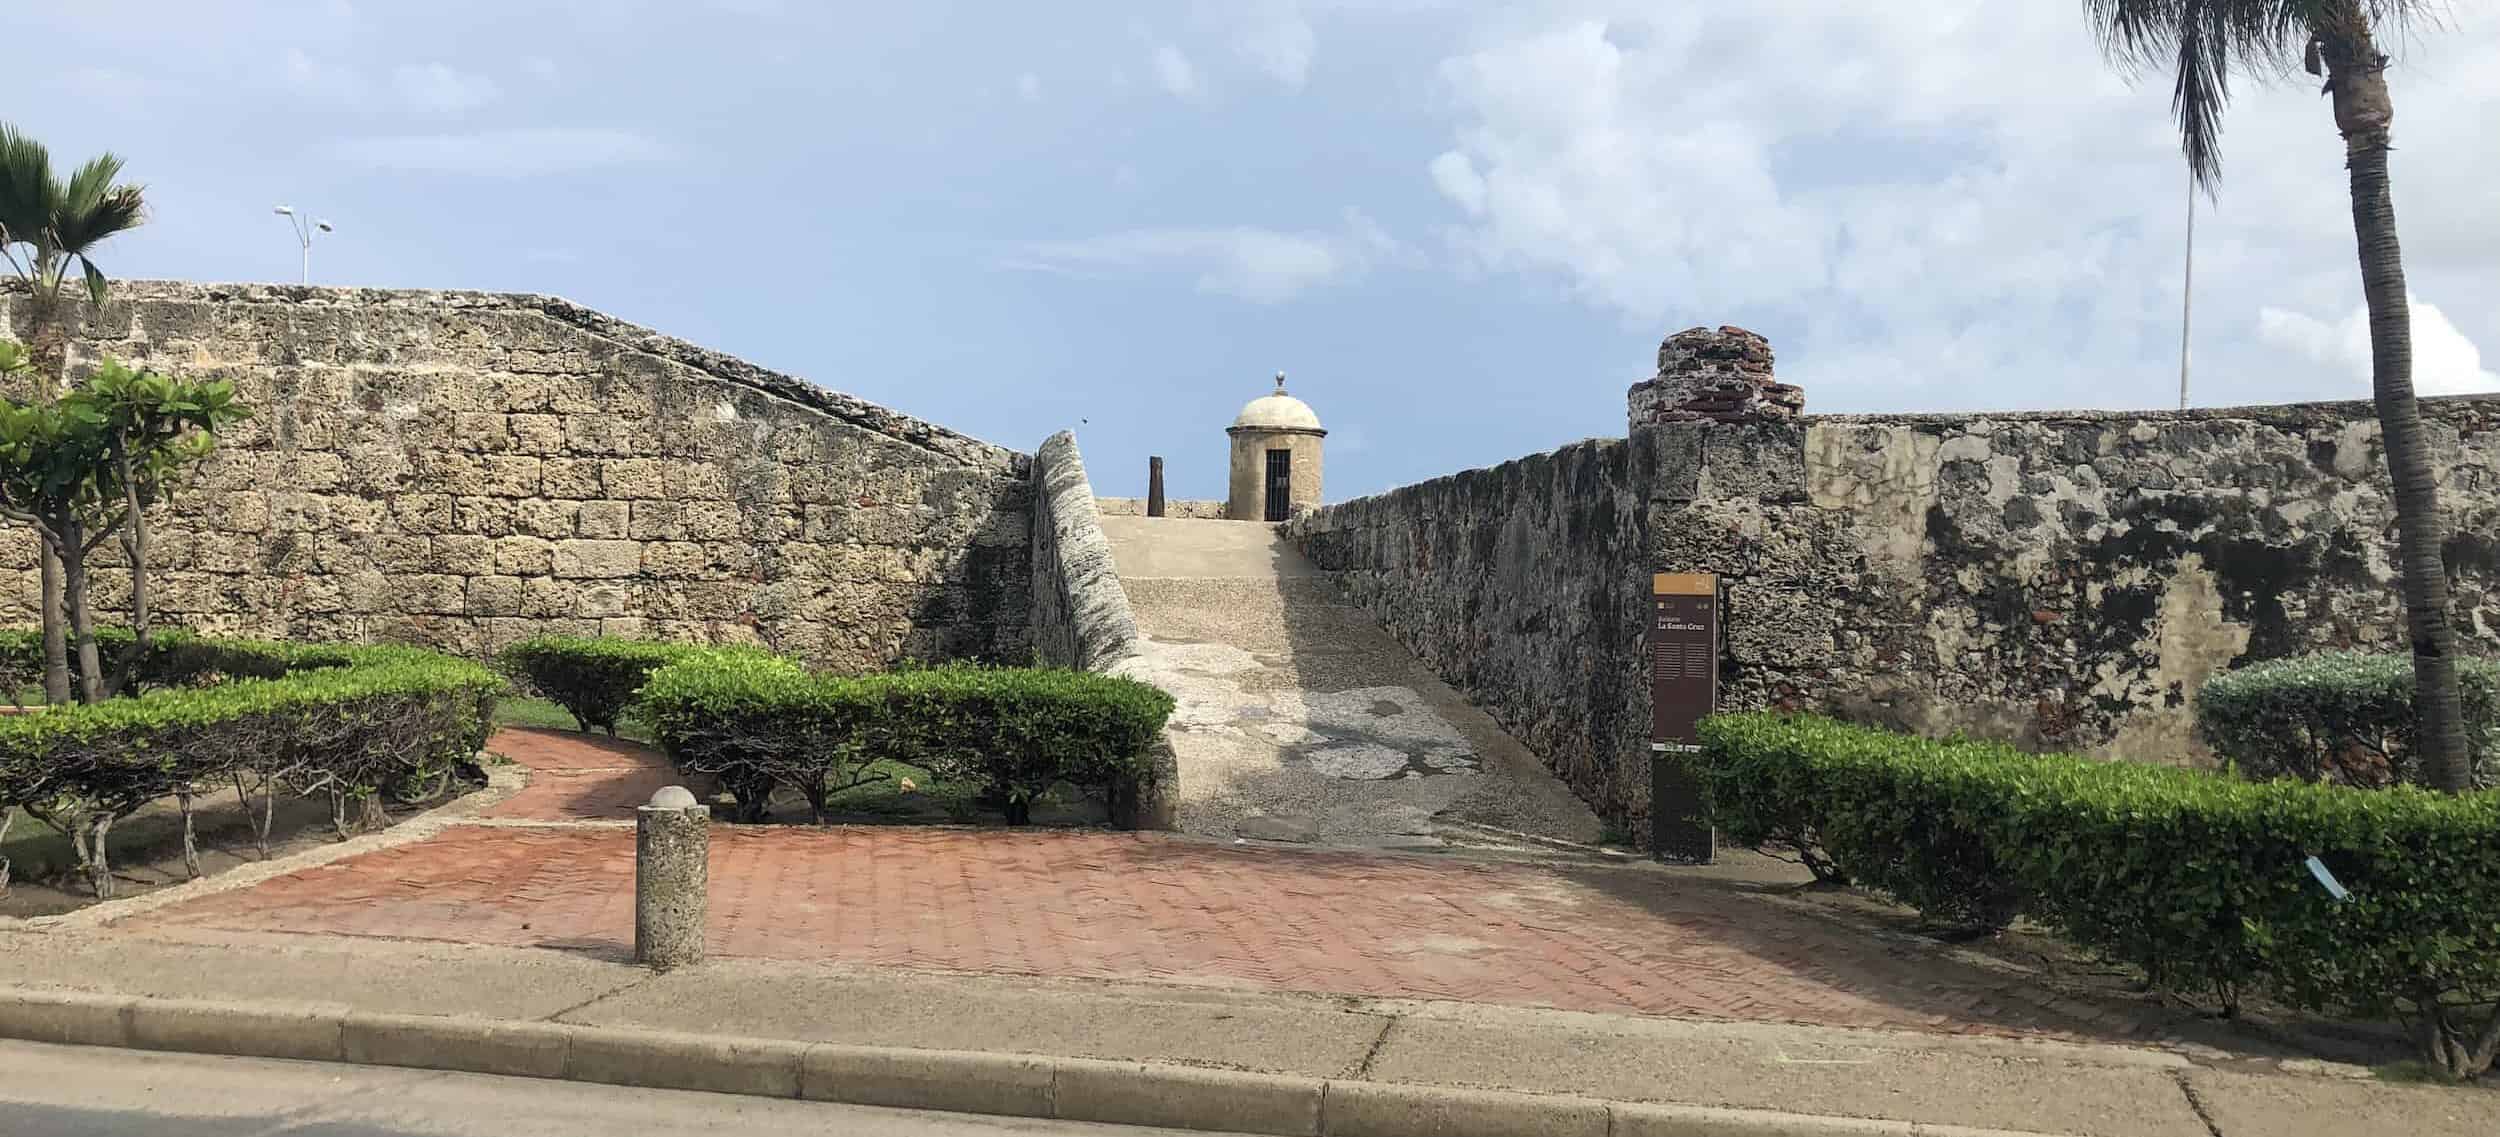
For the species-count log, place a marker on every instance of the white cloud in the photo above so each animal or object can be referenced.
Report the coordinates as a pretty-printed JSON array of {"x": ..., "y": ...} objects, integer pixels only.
[
  {"x": 436, "y": 88},
  {"x": 1264, "y": 266},
  {"x": 1957, "y": 196},
  {"x": 524, "y": 152},
  {"x": 541, "y": 68},
  {"x": 307, "y": 74},
  {"x": 1174, "y": 72},
  {"x": 1280, "y": 43},
  {"x": 2445, "y": 362},
  {"x": 1029, "y": 87}
]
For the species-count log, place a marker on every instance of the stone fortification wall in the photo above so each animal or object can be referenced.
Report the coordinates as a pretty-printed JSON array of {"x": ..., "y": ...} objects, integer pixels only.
[
  {"x": 463, "y": 469},
  {"x": 2060, "y": 579}
]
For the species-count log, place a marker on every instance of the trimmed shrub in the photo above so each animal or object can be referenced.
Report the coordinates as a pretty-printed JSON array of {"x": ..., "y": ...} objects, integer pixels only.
[
  {"x": 2343, "y": 717},
  {"x": 594, "y": 679},
  {"x": 2200, "y": 880},
  {"x": 356, "y": 722},
  {"x": 758, "y": 722}
]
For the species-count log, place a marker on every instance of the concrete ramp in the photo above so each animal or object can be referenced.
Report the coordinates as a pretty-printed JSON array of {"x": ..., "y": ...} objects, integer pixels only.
[{"x": 1300, "y": 719}]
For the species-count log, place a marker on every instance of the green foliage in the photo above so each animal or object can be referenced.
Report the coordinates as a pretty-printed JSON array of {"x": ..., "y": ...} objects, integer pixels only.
[
  {"x": 355, "y": 722},
  {"x": 86, "y": 466},
  {"x": 2343, "y": 717},
  {"x": 55, "y": 222},
  {"x": 360, "y": 717},
  {"x": 593, "y": 678},
  {"x": 757, "y": 722},
  {"x": 2199, "y": 879}
]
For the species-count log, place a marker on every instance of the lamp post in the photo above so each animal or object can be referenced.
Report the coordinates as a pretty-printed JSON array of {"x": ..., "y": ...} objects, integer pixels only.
[{"x": 304, "y": 230}]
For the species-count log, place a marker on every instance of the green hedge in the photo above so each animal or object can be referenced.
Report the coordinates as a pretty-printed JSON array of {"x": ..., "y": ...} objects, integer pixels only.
[
  {"x": 2197, "y": 878},
  {"x": 758, "y": 722},
  {"x": 593, "y": 678},
  {"x": 2342, "y": 717},
  {"x": 358, "y": 722}
]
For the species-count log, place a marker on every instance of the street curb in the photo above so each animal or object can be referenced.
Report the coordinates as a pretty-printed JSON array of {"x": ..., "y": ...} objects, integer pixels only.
[{"x": 1017, "y": 1085}]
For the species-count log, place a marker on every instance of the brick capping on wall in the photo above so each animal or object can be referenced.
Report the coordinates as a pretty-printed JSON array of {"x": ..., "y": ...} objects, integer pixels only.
[{"x": 2059, "y": 579}]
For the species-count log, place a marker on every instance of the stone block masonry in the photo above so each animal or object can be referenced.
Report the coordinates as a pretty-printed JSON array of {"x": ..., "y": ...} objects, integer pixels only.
[
  {"x": 464, "y": 469},
  {"x": 2056, "y": 579}
]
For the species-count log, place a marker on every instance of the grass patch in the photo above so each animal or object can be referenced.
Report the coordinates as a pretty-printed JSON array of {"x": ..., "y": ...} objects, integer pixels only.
[{"x": 513, "y": 710}]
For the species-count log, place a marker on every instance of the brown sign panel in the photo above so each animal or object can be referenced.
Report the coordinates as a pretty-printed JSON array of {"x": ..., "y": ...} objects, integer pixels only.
[{"x": 1684, "y": 688}]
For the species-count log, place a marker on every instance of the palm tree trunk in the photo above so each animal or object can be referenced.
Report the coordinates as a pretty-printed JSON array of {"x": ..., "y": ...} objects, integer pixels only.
[{"x": 2365, "y": 114}]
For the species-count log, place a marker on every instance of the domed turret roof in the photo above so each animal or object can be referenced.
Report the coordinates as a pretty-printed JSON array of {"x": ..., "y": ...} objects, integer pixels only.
[{"x": 1278, "y": 411}]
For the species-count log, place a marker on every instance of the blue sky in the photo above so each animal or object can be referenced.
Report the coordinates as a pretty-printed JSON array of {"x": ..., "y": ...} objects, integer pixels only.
[{"x": 1461, "y": 228}]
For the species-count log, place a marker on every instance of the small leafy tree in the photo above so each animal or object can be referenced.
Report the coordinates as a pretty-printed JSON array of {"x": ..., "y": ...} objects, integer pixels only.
[
  {"x": 85, "y": 468},
  {"x": 47, "y": 226}
]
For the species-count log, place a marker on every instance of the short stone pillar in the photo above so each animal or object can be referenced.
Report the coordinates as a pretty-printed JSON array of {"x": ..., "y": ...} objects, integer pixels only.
[
  {"x": 672, "y": 870},
  {"x": 1714, "y": 376}
]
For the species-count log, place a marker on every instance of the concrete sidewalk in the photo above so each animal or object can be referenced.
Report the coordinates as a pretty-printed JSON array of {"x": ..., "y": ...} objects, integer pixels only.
[{"x": 1143, "y": 1053}]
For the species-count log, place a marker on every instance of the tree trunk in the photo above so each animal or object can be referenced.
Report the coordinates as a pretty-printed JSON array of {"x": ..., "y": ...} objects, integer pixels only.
[
  {"x": 2364, "y": 115},
  {"x": 81, "y": 615},
  {"x": 55, "y": 632},
  {"x": 48, "y": 346},
  {"x": 190, "y": 836},
  {"x": 135, "y": 546},
  {"x": 100, "y": 868}
]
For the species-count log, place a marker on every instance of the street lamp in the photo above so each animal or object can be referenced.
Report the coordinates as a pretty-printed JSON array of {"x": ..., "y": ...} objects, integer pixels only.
[{"x": 304, "y": 231}]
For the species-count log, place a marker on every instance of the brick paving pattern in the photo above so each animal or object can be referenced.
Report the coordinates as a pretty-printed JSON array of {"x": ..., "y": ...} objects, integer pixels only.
[
  {"x": 578, "y": 777},
  {"x": 1142, "y": 906}
]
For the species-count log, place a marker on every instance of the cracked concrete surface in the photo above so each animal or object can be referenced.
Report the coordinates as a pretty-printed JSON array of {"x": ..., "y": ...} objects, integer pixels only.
[{"x": 1299, "y": 718}]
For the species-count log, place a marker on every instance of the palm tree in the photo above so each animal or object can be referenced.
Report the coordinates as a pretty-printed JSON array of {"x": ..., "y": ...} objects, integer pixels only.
[
  {"x": 45, "y": 225},
  {"x": 2202, "y": 42}
]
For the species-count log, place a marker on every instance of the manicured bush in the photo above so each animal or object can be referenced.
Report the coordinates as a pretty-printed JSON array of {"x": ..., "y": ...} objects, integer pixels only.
[
  {"x": 355, "y": 722},
  {"x": 757, "y": 723},
  {"x": 593, "y": 678},
  {"x": 2343, "y": 717},
  {"x": 2199, "y": 879}
]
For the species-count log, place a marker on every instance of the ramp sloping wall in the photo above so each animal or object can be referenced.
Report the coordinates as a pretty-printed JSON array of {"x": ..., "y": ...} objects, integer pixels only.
[
  {"x": 2062, "y": 580},
  {"x": 463, "y": 469}
]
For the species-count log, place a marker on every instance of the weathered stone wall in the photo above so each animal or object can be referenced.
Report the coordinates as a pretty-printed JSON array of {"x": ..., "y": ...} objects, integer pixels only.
[
  {"x": 1174, "y": 507},
  {"x": 2060, "y": 580},
  {"x": 2068, "y": 580},
  {"x": 1519, "y": 585},
  {"x": 464, "y": 469},
  {"x": 1081, "y": 616}
]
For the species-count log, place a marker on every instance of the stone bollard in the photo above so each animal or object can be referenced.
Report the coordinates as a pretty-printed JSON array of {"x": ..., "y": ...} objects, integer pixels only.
[{"x": 672, "y": 846}]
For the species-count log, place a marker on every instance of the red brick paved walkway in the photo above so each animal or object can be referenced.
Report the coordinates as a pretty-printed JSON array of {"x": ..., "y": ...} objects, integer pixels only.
[
  {"x": 578, "y": 777},
  {"x": 1136, "y": 906}
]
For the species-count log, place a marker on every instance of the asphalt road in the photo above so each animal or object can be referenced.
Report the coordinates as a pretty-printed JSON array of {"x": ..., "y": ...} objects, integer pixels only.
[{"x": 75, "y": 1091}]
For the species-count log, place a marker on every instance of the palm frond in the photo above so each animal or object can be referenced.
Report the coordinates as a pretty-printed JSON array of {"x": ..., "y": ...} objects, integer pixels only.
[
  {"x": 80, "y": 230},
  {"x": 28, "y": 191}
]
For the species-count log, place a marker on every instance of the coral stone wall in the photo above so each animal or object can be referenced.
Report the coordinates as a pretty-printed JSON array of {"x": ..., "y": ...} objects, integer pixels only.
[
  {"x": 464, "y": 469},
  {"x": 2059, "y": 580},
  {"x": 1518, "y": 586}
]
